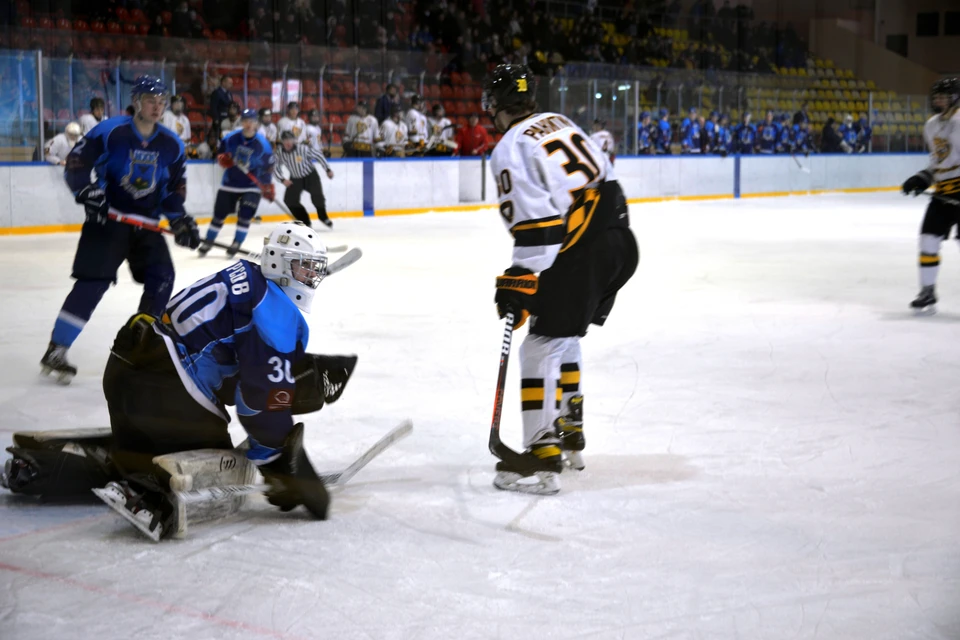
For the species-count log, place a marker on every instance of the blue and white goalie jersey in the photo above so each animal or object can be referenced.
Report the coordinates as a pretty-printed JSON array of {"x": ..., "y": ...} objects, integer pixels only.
[
  {"x": 141, "y": 177},
  {"x": 235, "y": 337}
]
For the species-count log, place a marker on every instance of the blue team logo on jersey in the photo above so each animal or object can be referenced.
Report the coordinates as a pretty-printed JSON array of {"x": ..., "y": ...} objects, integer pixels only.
[
  {"x": 242, "y": 157},
  {"x": 141, "y": 178}
]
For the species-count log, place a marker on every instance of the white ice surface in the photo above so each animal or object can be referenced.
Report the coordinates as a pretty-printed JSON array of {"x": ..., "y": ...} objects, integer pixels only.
[{"x": 773, "y": 448}]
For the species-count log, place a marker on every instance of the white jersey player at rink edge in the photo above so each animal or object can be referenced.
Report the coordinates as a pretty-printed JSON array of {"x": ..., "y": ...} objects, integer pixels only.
[
  {"x": 567, "y": 214},
  {"x": 942, "y": 135}
]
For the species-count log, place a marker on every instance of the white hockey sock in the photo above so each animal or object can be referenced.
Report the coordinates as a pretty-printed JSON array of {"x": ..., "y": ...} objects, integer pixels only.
[
  {"x": 929, "y": 259},
  {"x": 540, "y": 372}
]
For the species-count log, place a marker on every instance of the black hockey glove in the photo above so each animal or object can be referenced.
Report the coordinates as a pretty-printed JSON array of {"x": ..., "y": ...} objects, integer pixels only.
[
  {"x": 320, "y": 380},
  {"x": 94, "y": 201},
  {"x": 292, "y": 480},
  {"x": 515, "y": 291},
  {"x": 918, "y": 183},
  {"x": 185, "y": 231}
]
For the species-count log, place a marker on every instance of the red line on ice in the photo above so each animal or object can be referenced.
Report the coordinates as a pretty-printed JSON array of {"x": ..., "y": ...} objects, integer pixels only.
[{"x": 171, "y": 608}]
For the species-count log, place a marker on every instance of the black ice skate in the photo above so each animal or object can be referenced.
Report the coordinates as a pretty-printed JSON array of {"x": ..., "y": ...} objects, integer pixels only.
[
  {"x": 149, "y": 513},
  {"x": 204, "y": 248},
  {"x": 570, "y": 431},
  {"x": 536, "y": 471},
  {"x": 328, "y": 222},
  {"x": 234, "y": 248},
  {"x": 55, "y": 361},
  {"x": 925, "y": 302},
  {"x": 17, "y": 473}
]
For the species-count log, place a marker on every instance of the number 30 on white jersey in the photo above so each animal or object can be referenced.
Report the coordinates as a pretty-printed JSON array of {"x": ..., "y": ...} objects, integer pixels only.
[{"x": 543, "y": 166}]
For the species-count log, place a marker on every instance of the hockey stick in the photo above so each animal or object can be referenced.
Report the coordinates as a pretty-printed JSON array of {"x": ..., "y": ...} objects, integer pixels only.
[
  {"x": 495, "y": 444},
  {"x": 332, "y": 479},
  {"x": 797, "y": 160},
  {"x": 948, "y": 200},
  {"x": 136, "y": 222}
]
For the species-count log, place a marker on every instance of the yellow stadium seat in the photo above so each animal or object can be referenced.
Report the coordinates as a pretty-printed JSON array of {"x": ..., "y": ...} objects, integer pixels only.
[{"x": 871, "y": 85}]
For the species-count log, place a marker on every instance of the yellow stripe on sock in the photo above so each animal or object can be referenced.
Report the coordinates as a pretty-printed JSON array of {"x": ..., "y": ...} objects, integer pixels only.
[
  {"x": 569, "y": 377},
  {"x": 531, "y": 394},
  {"x": 929, "y": 259}
]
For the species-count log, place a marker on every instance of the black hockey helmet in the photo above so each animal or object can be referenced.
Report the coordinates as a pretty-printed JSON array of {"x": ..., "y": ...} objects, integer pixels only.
[
  {"x": 265, "y": 113},
  {"x": 396, "y": 110},
  {"x": 438, "y": 110},
  {"x": 949, "y": 87},
  {"x": 178, "y": 99},
  {"x": 287, "y": 135},
  {"x": 313, "y": 113},
  {"x": 510, "y": 86},
  {"x": 416, "y": 100}
]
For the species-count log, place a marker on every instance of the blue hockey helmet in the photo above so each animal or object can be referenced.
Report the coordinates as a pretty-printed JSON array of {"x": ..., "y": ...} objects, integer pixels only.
[
  {"x": 784, "y": 117},
  {"x": 664, "y": 113},
  {"x": 714, "y": 114},
  {"x": 249, "y": 114},
  {"x": 644, "y": 115},
  {"x": 148, "y": 85}
]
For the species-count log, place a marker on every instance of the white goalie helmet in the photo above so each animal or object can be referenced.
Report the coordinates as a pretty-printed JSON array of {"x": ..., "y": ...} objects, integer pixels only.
[{"x": 295, "y": 258}]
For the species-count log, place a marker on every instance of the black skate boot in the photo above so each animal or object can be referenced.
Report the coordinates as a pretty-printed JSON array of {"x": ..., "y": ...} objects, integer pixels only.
[
  {"x": 570, "y": 431},
  {"x": 537, "y": 470},
  {"x": 17, "y": 473},
  {"x": 234, "y": 248},
  {"x": 55, "y": 361},
  {"x": 925, "y": 302},
  {"x": 328, "y": 222},
  {"x": 204, "y": 248}
]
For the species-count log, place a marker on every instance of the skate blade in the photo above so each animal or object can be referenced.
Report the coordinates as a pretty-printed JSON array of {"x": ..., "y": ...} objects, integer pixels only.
[
  {"x": 925, "y": 311},
  {"x": 62, "y": 377},
  {"x": 574, "y": 460},
  {"x": 542, "y": 483},
  {"x": 104, "y": 495}
]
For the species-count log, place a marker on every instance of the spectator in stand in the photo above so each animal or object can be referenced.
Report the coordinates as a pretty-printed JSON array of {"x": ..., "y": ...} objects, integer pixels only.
[
  {"x": 385, "y": 103},
  {"x": 89, "y": 120},
  {"x": 220, "y": 101},
  {"x": 232, "y": 122},
  {"x": 473, "y": 140},
  {"x": 802, "y": 115},
  {"x": 181, "y": 26},
  {"x": 830, "y": 140},
  {"x": 176, "y": 120},
  {"x": 60, "y": 146}
]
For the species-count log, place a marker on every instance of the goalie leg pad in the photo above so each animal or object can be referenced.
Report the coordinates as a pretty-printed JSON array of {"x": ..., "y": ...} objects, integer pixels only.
[
  {"x": 58, "y": 464},
  {"x": 202, "y": 469}
]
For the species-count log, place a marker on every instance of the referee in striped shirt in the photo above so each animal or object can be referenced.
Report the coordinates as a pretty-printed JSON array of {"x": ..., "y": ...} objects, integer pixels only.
[{"x": 294, "y": 168}]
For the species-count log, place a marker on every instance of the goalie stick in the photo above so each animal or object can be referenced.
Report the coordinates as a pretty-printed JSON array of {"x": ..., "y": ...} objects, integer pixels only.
[{"x": 331, "y": 479}]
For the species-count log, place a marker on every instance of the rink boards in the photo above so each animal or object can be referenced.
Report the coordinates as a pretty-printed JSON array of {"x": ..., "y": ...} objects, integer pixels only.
[{"x": 35, "y": 199}]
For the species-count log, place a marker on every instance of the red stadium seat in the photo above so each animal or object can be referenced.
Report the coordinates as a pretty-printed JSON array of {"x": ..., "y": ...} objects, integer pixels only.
[
  {"x": 446, "y": 92},
  {"x": 97, "y": 27},
  {"x": 48, "y": 115},
  {"x": 433, "y": 92},
  {"x": 189, "y": 100},
  {"x": 113, "y": 27},
  {"x": 80, "y": 25},
  {"x": 456, "y": 78},
  {"x": 253, "y": 102},
  {"x": 206, "y": 34},
  {"x": 309, "y": 103},
  {"x": 335, "y": 120},
  {"x": 88, "y": 44},
  {"x": 459, "y": 93},
  {"x": 334, "y": 104},
  {"x": 219, "y": 34},
  {"x": 64, "y": 115},
  {"x": 45, "y": 23},
  {"x": 65, "y": 24},
  {"x": 166, "y": 16},
  {"x": 311, "y": 88},
  {"x": 122, "y": 14},
  {"x": 138, "y": 16},
  {"x": 349, "y": 104},
  {"x": 465, "y": 76},
  {"x": 129, "y": 28},
  {"x": 23, "y": 7},
  {"x": 266, "y": 102}
]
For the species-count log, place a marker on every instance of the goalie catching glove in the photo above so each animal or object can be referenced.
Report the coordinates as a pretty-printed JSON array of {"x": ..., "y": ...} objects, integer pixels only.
[
  {"x": 515, "y": 291},
  {"x": 320, "y": 380}
]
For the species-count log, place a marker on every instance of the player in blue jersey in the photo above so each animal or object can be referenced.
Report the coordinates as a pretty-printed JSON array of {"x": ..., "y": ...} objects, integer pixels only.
[
  {"x": 665, "y": 132},
  {"x": 724, "y": 144},
  {"x": 848, "y": 134},
  {"x": 242, "y": 152},
  {"x": 140, "y": 172},
  {"x": 646, "y": 133},
  {"x": 801, "y": 137},
  {"x": 864, "y": 135},
  {"x": 710, "y": 128},
  {"x": 237, "y": 337},
  {"x": 745, "y": 135},
  {"x": 689, "y": 132},
  {"x": 768, "y": 135},
  {"x": 785, "y": 139}
]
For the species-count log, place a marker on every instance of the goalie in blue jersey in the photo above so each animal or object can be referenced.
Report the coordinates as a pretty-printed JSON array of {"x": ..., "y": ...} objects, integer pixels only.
[
  {"x": 237, "y": 337},
  {"x": 139, "y": 171}
]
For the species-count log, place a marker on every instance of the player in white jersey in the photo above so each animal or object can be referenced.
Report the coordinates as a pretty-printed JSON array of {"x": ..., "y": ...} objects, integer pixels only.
[
  {"x": 942, "y": 134},
  {"x": 62, "y": 144},
  {"x": 567, "y": 215},
  {"x": 293, "y": 122},
  {"x": 442, "y": 133},
  {"x": 176, "y": 120},
  {"x": 361, "y": 133},
  {"x": 604, "y": 139},
  {"x": 232, "y": 122},
  {"x": 314, "y": 131},
  {"x": 392, "y": 141},
  {"x": 267, "y": 126},
  {"x": 89, "y": 120},
  {"x": 416, "y": 127}
]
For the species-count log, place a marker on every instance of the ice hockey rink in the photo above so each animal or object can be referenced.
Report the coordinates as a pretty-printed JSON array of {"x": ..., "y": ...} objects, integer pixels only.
[{"x": 773, "y": 448}]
